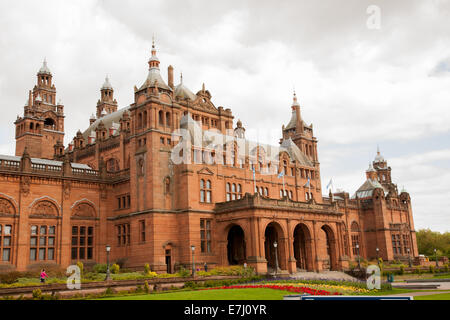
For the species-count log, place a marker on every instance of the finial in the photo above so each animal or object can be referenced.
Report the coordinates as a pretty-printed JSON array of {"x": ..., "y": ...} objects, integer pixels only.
[
  {"x": 203, "y": 87},
  {"x": 153, "y": 40},
  {"x": 181, "y": 78},
  {"x": 378, "y": 149}
]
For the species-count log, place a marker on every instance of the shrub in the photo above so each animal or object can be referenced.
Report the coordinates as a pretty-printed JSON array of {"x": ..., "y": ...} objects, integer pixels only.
[
  {"x": 432, "y": 269},
  {"x": 53, "y": 270},
  {"x": 121, "y": 262},
  {"x": 109, "y": 291},
  {"x": 147, "y": 268},
  {"x": 446, "y": 267},
  {"x": 184, "y": 273},
  {"x": 37, "y": 294},
  {"x": 115, "y": 268},
  {"x": 100, "y": 268},
  {"x": 146, "y": 287},
  {"x": 10, "y": 277},
  {"x": 81, "y": 266},
  {"x": 402, "y": 269},
  {"x": 138, "y": 289}
]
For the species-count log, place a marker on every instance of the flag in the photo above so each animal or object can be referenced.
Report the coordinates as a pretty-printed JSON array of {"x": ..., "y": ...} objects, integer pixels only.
[
  {"x": 307, "y": 184},
  {"x": 281, "y": 174},
  {"x": 330, "y": 183}
]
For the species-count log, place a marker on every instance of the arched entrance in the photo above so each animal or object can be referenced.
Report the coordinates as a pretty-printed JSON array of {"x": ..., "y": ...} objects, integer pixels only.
[
  {"x": 331, "y": 248},
  {"x": 236, "y": 251},
  {"x": 274, "y": 234},
  {"x": 302, "y": 247}
]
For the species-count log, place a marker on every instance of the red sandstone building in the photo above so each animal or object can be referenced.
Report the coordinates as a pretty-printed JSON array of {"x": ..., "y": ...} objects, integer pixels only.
[{"x": 116, "y": 184}]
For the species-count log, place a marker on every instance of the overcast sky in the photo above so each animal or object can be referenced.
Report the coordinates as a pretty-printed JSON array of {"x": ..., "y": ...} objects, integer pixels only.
[{"x": 359, "y": 86}]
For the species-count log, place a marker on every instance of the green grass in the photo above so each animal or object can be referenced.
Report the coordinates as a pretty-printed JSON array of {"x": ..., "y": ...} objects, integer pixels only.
[
  {"x": 225, "y": 294},
  {"x": 442, "y": 296}
]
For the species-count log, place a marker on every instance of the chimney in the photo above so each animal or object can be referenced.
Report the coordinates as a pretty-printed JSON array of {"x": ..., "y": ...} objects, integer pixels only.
[{"x": 170, "y": 76}]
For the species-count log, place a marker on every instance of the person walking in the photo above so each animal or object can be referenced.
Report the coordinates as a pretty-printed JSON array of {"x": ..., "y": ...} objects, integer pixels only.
[
  {"x": 205, "y": 267},
  {"x": 43, "y": 276}
]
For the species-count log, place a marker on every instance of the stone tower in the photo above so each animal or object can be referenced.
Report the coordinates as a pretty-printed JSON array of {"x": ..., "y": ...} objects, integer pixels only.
[
  {"x": 42, "y": 124},
  {"x": 107, "y": 104}
]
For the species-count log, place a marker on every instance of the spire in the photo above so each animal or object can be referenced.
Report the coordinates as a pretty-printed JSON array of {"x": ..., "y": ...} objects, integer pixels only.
[
  {"x": 379, "y": 157},
  {"x": 295, "y": 102},
  {"x": 44, "y": 69},
  {"x": 154, "y": 61}
]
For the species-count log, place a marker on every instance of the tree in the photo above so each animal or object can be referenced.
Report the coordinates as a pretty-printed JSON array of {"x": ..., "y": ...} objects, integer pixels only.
[{"x": 428, "y": 240}]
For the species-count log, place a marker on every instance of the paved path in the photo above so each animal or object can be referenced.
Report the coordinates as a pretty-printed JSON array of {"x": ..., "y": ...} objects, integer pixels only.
[
  {"x": 324, "y": 275},
  {"x": 442, "y": 285},
  {"x": 419, "y": 293}
]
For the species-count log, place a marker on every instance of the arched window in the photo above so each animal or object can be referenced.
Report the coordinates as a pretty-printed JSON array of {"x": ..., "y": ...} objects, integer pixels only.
[
  {"x": 290, "y": 195},
  {"x": 281, "y": 193},
  {"x": 266, "y": 192},
  {"x": 140, "y": 120},
  {"x": 168, "y": 119},
  {"x": 355, "y": 235}
]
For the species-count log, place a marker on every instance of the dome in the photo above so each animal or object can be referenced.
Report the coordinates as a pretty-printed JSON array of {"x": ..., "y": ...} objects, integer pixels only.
[{"x": 107, "y": 84}]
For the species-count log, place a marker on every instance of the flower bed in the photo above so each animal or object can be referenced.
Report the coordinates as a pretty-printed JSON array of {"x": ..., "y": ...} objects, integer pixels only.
[{"x": 290, "y": 288}]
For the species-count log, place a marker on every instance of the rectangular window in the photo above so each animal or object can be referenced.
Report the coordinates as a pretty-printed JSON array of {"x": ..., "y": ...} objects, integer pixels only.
[
  {"x": 205, "y": 235},
  {"x": 142, "y": 230},
  {"x": 43, "y": 247},
  {"x": 82, "y": 243},
  {"x": 123, "y": 234},
  {"x": 5, "y": 242}
]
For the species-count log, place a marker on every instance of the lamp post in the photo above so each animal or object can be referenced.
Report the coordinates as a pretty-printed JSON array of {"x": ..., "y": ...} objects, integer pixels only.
[
  {"x": 193, "y": 263},
  {"x": 275, "y": 245},
  {"x": 108, "y": 273},
  {"x": 378, "y": 256},
  {"x": 359, "y": 260},
  {"x": 409, "y": 257},
  {"x": 435, "y": 254}
]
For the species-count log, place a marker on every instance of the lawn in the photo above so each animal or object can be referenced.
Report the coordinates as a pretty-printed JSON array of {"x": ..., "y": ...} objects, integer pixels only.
[
  {"x": 442, "y": 296},
  {"x": 226, "y": 294}
]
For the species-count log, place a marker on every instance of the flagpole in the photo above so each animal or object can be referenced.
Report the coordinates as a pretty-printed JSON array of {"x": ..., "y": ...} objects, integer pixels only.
[{"x": 254, "y": 180}]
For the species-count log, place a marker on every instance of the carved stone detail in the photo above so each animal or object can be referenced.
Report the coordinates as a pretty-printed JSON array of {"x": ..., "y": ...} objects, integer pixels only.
[
  {"x": 6, "y": 207},
  {"x": 25, "y": 186},
  {"x": 83, "y": 210},
  {"x": 45, "y": 208}
]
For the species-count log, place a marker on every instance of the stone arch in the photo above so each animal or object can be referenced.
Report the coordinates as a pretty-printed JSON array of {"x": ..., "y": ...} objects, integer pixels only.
[
  {"x": 330, "y": 246},
  {"x": 274, "y": 233},
  {"x": 236, "y": 245},
  {"x": 303, "y": 247}
]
